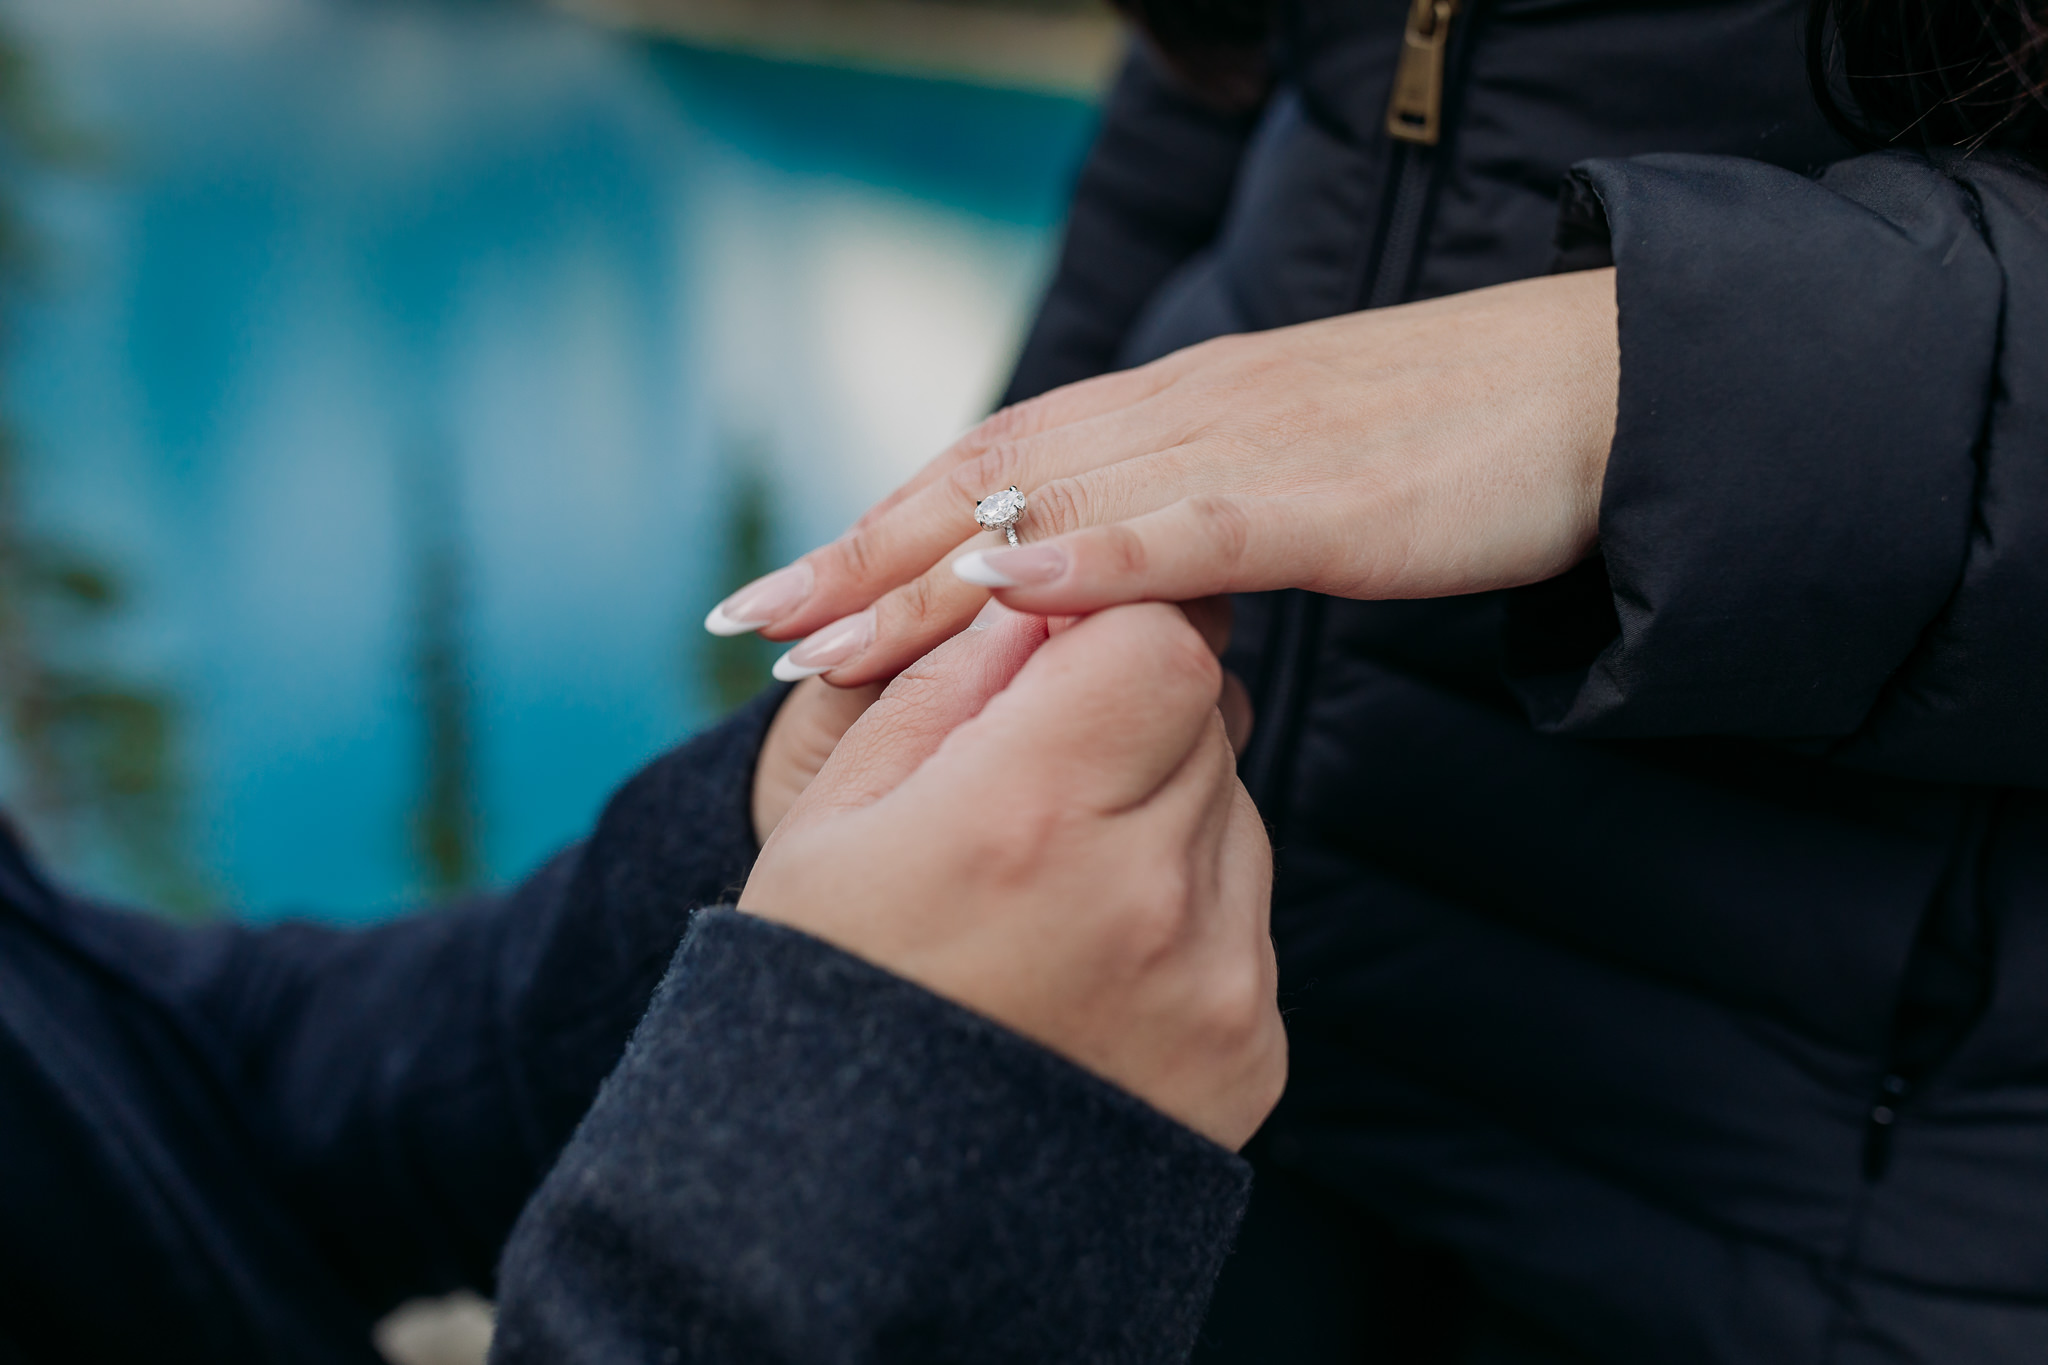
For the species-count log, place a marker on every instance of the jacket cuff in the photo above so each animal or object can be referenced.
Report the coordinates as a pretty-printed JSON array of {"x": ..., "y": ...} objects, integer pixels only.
[
  {"x": 1788, "y": 499},
  {"x": 584, "y": 942},
  {"x": 680, "y": 833},
  {"x": 805, "y": 1158}
]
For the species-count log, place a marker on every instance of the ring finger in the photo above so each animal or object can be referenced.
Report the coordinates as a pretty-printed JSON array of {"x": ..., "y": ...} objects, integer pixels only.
[
  {"x": 886, "y": 549},
  {"x": 904, "y": 624}
]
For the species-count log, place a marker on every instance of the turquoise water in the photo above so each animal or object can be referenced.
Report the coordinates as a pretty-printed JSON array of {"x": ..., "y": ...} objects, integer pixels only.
[{"x": 406, "y": 362}]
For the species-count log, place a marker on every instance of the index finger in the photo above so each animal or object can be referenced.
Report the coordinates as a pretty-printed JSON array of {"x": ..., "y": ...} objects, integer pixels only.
[{"x": 915, "y": 713}]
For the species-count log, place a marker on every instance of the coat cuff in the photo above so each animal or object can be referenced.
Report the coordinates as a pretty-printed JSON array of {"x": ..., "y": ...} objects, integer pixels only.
[
  {"x": 805, "y": 1158},
  {"x": 584, "y": 942},
  {"x": 1804, "y": 374}
]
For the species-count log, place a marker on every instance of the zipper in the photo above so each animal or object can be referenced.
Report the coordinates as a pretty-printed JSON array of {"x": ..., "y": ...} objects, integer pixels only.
[
  {"x": 1416, "y": 111},
  {"x": 1391, "y": 269},
  {"x": 1415, "y": 121},
  {"x": 1292, "y": 640},
  {"x": 1946, "y": 985},
  {"x": 1294, "y": 636}
]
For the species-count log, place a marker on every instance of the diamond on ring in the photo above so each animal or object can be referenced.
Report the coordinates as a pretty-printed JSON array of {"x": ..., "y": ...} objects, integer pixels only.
[{"x": 1001, "y": 512}]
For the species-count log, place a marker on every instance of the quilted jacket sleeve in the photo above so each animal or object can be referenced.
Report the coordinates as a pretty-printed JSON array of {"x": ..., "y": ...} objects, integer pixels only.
[
  {"x": 1825, "y": 519},
  {"x": 1152, "y": 193}
]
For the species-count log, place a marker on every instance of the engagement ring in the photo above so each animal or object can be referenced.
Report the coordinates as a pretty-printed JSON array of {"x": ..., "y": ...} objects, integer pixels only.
[{"x": 1001, "y": 512}]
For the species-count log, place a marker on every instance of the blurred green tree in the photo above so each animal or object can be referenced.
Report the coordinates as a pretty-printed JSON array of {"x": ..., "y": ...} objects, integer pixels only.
[
  {"x": 446, "y": 823},
  {"x": 735, "y": 668},
  {"x": 94, "y": 764}
]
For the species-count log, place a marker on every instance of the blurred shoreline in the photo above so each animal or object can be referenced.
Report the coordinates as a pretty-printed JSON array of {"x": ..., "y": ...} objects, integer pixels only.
[
  {"x": 402, "y": 381},
  {"x": 1064, "y": 46}
]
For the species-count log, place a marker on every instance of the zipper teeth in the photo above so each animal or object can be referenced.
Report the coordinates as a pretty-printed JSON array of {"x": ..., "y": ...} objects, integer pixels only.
[
  {"x": 1296, "y": 629},
  {"x": 1394, "y": 263},
  {"x": 1296, "y": 632}
]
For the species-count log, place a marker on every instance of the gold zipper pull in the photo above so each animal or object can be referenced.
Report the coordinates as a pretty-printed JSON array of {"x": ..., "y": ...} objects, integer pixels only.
[{"x": 1416, "y": 112}]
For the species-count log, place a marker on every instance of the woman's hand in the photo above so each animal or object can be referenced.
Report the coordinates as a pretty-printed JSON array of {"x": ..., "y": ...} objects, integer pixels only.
[
  {"x": 1437, "y": 448},
  {"x": 1056, "y": 838}
]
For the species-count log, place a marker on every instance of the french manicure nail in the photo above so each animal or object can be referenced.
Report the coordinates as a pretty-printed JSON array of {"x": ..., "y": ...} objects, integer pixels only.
[
  {"x": 763, "y": 601},
  {"x": 1022, "y": 567},
  {"x": 991, "y": 612},
  {"x": 827, "y": 647}
]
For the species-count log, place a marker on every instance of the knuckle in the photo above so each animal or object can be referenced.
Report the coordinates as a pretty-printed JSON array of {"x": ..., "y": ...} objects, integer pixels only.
[
  {"x": 994, "y": 468},
  {"x": 898, "y": 712},
  {"x": 910, "y": 688},
  {"x": 855, "y": 556},
  {"x": 1223, "y": 524},
  {"x": 1016, "y": 857},
  {"x": 1184, "y": 656},
  {"x": 1152, "y": 924},
  {"x": 1237, "y": 365},
  {"x": 1059, "y": 507},
  {"x": 915, "y": 605},
  {"x": 1238, "y": 1002},
  {"x": 1126, "y": 552},
  {"x": 1007, "y": 424},
  {"x": 1229, "y": 347}
]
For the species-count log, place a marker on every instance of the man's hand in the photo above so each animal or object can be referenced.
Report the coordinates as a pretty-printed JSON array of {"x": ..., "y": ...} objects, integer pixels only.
[
  {"x": 1055, "y": 837},
  {"x": 801, "y": 737},
  {"x": 810, "y": 723}
]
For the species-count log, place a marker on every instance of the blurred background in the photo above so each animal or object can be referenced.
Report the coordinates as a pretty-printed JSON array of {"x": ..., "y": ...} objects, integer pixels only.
[{"x": 390, "y": 386}]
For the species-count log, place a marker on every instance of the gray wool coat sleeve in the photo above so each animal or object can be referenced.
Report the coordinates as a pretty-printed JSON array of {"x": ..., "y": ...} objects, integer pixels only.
[{"x": 803, "y": 1158}]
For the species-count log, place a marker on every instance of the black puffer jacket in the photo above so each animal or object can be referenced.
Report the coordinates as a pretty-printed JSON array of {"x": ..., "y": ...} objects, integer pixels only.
[{"x": 1666, "y": 946}]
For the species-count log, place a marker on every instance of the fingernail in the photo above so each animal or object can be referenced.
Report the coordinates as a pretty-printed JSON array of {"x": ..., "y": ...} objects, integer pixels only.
[
  {"x": 1022, "y": 567},
  {"x": 827, "y": 647},
  {"x": 763, "y": 601},
  {"x": 992, "y": 612}
]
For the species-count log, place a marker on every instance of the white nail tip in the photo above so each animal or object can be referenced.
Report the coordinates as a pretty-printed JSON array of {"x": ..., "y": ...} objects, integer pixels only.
[
  {"x": 974, "y": 568},
  {"x": 718, "y": 623},
  {"x": 785, "y": 671}
]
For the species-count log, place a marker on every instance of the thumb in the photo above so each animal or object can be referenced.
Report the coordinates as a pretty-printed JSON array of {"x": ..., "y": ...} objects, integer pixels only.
[
  {"x": 915, "y": 713},
  {"x": 1097, "y": 720}
]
